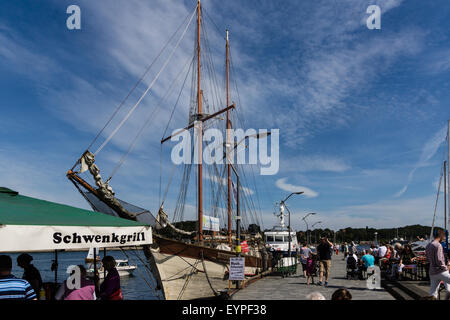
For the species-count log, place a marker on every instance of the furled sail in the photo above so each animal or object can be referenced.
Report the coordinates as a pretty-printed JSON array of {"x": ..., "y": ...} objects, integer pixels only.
[
  {"x": 163, "y": 221},
  {"x": 104, "y": 190}
]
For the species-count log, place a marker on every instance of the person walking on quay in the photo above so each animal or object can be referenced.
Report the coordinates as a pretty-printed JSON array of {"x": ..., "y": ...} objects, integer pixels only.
[
  {"x": 310, "y": 268},
  {"x": 336, "y": 248},
  {"x": 354, "y": 248},
  {"x": 110, "y": 288},
  {"x": 345, "y": 250},
  {"x": 30, "y": 273},
  {"x": 324, "y": 253},
  {"x": 438, "y": 268},
  {"x": 12, "y": 287},
  {"x": 304, "y": 254}
]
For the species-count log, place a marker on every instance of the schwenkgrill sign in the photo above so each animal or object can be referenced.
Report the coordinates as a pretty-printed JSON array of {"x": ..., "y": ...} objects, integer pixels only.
[
  {"x": 37, "y": 238},
  {"x": 28, "y": 224},
  {"x": 59, "y": 237}
]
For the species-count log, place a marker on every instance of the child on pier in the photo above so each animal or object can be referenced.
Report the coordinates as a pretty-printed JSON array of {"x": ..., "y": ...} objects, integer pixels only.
[{"x": 310, "y": 268}]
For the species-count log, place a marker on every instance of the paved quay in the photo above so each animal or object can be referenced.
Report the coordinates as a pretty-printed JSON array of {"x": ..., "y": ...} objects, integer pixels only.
[{"x": 295, "y": 287}]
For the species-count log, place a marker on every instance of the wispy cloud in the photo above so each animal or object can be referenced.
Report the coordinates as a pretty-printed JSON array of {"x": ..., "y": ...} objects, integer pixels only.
[
  {"x": 283, "y": 185},
  {"x": 329, "y": 79},
  {"x": 429, "y": 150},
  {"x": 438, "y": 62},
  {"x": 310, "y": 163}
]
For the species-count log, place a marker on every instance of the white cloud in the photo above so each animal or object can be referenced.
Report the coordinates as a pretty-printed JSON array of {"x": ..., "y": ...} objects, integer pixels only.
[
  {"x": 382, "y": 214},
  {"x": 283, "y": 185}
]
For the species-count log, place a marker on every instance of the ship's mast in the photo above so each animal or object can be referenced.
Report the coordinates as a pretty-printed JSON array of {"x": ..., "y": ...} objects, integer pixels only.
[
  {"x": 448, "y": 177},
  {"x": 228, "y": 138},
  {"x": 200, "y": 134},
  {"x": 445, "y": 197}
]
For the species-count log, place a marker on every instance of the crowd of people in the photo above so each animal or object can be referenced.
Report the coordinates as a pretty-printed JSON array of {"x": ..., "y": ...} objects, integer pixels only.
[
  {"x": 392, "y": 258},
  {"x": 30, "y": 286}
]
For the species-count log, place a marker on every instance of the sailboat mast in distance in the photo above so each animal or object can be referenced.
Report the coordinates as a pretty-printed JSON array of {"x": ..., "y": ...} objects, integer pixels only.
[
  {"x": 228, "y": 138},
  {"x": 445, "y": 192},
  {"x": 199, "y": 130}
]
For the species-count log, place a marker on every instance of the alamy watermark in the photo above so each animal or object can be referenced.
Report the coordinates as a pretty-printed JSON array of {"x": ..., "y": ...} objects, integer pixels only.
[
  {"x": 73, "y": 22},
  {"x": 74, "y": 279},
  {"x": 217, "y": 151},
  {"x": 373, "y": 281},
  {"x": 374, "y": 20}
]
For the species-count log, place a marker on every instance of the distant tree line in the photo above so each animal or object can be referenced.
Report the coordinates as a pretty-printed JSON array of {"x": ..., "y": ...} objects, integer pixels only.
[
  {"x": 367, "y": 234},
  {"x": 348, "y": 234}
]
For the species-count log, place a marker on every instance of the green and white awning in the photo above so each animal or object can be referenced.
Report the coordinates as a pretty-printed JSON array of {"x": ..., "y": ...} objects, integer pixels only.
[{"x": 29, "y": 224}]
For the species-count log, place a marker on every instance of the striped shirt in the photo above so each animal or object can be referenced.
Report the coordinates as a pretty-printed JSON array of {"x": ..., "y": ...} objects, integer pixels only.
[{"x": 14, "y": 288}]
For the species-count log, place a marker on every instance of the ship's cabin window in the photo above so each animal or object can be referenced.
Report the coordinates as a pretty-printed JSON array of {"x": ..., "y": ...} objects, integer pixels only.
[
  {"x": 270, "y": 239},
  {"x": 279, "y": 238},
  {"x": 122, "y": 264}
]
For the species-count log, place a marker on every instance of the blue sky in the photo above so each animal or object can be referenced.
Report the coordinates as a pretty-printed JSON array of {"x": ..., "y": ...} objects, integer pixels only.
[{"x": 362, "y": 113}]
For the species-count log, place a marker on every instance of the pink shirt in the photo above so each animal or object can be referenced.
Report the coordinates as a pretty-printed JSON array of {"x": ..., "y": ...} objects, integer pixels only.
[
  {"x": 435, "y": 257},
  {"x": 84, "y": 293}
]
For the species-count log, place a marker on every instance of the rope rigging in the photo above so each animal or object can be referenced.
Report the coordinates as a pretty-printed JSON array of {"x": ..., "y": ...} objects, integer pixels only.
[
  {"x": 147, "y": 90},
  {"x": 137, "y": 83},
  {"x": 437, "y": 199},
  {"x": 150, "y": 118}
]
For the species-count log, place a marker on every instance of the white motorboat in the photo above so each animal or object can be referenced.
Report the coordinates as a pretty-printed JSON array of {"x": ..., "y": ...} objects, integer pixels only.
[{"x": 123, "y": 267}]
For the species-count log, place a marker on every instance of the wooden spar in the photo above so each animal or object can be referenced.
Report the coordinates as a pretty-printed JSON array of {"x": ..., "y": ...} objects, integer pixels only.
[
  {"x": 228, "y": 139},
  {"x": 200, "y": 138},
  {"x": 74, "y": 177},
  {"x": 215, "y": 114}
]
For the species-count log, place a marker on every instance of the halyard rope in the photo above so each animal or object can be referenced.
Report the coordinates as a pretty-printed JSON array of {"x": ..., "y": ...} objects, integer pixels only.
[{"x": 147, "y": 90}]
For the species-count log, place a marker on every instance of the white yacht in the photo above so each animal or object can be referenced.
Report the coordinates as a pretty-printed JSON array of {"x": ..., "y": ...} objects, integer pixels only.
[{"x": 123, "y": 267}]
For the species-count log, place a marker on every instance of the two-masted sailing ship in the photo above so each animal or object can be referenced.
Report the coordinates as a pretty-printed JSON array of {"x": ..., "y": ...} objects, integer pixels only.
[{"x": 193, "y": 263}]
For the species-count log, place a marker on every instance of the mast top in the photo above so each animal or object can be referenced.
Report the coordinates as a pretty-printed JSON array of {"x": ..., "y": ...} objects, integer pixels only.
[{"x": 227, "y": 34}]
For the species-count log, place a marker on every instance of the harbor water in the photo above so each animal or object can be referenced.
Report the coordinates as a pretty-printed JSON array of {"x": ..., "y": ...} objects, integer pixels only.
[{"x": 139, "y": 286}]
